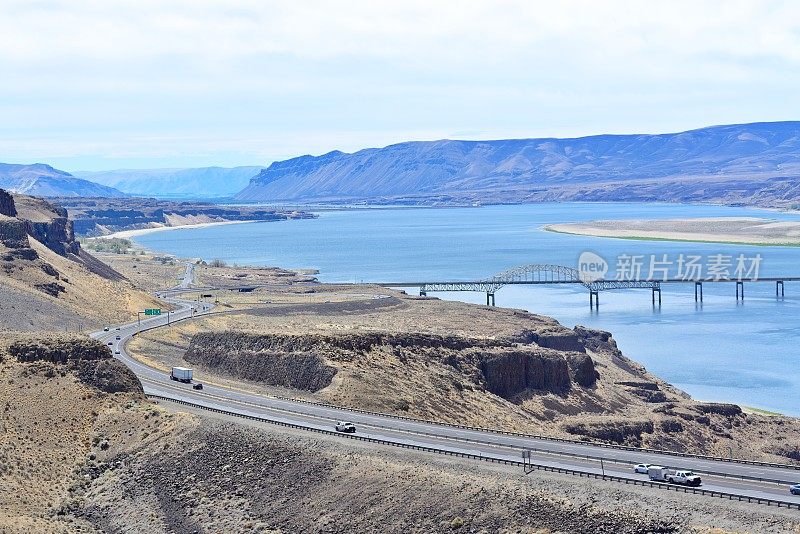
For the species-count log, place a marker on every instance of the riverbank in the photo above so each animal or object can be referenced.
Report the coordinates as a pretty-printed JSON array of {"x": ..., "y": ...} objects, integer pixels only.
[
  {"x": 127, "y": 234},
  {"x": 453, "y": 362},
  {"x": 673, "y": 341},
  {"x": 727, "y": 230}
]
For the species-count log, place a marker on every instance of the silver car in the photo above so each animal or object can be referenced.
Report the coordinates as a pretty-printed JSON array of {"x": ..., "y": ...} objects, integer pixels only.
[{"x": 345, "y": 426}]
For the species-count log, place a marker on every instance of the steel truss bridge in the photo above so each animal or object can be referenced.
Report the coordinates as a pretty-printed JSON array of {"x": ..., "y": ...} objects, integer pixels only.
[{"x": 549, "y": 274}]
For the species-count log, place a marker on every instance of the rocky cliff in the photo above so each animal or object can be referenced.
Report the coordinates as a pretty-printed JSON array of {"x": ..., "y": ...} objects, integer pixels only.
[
  {"x": 309, "y": 362},
  {"x": 56, "y": 234},
  {"x": 46, "y": 280},
  {"x": 100, "y": 216},
  {"x": 14, "y": 237},
  {"x": 48, "y": 224},
  {"x": 275, "y": 361},
  {"x": 7, "y": 207},
  {"x": 88, "y": 359},
  {"x": 43, "y": 221}
]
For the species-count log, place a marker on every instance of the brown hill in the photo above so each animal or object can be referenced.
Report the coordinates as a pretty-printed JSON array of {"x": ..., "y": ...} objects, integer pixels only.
[
  {"x": 47, "y": 282},
  {"x": 78, "y": 454},
  {"x": 457, "y": 363}
]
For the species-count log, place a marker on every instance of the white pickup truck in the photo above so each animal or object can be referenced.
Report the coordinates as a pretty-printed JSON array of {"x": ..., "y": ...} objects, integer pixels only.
[{"x": 663, "y": 474}]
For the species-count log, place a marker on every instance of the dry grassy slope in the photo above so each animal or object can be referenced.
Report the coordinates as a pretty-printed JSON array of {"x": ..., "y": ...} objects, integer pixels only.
[
  {"x": 35, "y": 209},
  {"x": 75, "y": 459},
  {"x": 51, "y": 421},
  {"x": 53, "y": 285},
  {"x": 146, "y": 272},
  {"x": 626, "y": 405},
  {"x": 206, "y": 275},
  {"x": 87, "y": 300},
  {"x": 47, "y": 282}
]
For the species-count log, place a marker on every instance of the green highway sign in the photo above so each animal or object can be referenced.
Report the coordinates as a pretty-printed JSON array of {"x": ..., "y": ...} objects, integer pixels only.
[{"x": 152, "y": 311}]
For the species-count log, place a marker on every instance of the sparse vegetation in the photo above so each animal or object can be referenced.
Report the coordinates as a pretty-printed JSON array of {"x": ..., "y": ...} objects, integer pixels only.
[
  {"x": 164, "y": 260},
  {"x": 216, "y": 262},
  {"x": 112, "y": 245}
]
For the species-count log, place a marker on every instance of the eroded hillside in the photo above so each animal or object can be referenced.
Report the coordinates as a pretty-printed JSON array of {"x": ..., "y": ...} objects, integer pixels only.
[
  {"x": 83, "y": 451},
  {"x": 47, "y": 282},
  {"x": 454, "y": 362}
]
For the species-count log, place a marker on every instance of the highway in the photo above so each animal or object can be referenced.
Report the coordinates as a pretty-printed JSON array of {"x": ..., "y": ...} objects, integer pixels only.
[{"x": 757, "y": 481}]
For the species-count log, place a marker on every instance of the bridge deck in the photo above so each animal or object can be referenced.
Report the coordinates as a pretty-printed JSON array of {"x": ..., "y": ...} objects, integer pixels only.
[{"x": 550, "y": 282}]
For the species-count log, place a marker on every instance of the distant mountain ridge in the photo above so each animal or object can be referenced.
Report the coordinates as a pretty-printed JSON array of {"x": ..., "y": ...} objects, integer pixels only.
[
  {"x": 203, "y": 182},
  {"x": 755, "y": 163},
  {"x": 43, "y": 180}
]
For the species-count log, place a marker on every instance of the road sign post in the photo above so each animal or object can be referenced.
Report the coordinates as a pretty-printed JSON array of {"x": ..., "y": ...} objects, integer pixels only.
[
  {"x": 527, "y": 466},
  {"x": 150, "y": 312}
]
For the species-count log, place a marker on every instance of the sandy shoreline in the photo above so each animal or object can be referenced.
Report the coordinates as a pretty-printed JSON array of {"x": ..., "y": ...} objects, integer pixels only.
[
  {"x": 127, "y": 234},
  {"x": 729, "y": 230}
]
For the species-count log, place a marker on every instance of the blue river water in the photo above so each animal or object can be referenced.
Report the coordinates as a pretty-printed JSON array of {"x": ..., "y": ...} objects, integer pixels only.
[{"x": 723, "y": 350}]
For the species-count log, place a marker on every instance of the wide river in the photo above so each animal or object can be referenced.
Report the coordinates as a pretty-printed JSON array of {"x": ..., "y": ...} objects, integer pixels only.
[{"x": 723, "y": 350}]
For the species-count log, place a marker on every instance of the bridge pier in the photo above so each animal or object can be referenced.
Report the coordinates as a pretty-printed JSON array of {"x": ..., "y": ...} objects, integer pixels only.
[
  {"x": 739, "y": 284},
  {"x": 653, "y": 295},
  {"x": 594, "y": 299},
  {"x": 779, "y": 283},
  {"x": 700, "y": 285},
  {"x": 489, "y": 298}
]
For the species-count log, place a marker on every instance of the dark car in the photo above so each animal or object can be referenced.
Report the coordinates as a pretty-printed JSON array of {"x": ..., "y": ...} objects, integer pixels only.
[
  {"x": 105, "y": 329},
  {"x": 197, "y": 386},
  {"x": 116, "y": 352},
  {"x": 118, "y": 338},
  {"x": 110, "y": 343}
]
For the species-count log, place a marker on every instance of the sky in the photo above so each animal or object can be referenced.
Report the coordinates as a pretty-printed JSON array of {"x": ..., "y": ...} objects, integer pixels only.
[{"x": 93, "y": 85}]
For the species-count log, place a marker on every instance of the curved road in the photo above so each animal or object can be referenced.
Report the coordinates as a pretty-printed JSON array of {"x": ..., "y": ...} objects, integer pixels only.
[{"x": 764, "y": 482}]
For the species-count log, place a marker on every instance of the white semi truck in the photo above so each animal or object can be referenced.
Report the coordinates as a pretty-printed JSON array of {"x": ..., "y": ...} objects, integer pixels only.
[{"x": 181, "y": 374}]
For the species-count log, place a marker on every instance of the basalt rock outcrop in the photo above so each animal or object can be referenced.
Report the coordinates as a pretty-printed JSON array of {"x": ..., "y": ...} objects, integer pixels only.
[
  {"x": 718, "y": 408},
  {"x": 26, "y": 217},
  {"x": 56, "y": 234},
  {"x": 48, "y": 224},
  {"x": 44, "y": 222},
  {"x": 7, "y": 204},
  {"x": 291, "y": 362},
  {"x": 309, "y": 362},
  {"x": 88, "y": 359},
  {"x": 510, "y": 373},
  {"x": 791, "y": 451},
  {"x": 559, "y": 339},
  {"x": 620, "y": 432},
  {"x": 14, "y": 237},
  {"x": 99, "y": 216}
]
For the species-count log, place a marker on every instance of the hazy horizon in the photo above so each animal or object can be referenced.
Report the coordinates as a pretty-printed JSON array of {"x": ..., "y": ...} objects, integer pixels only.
[
  {"x": 144, "y": 167},
  {"x": 106, "y": 86}
]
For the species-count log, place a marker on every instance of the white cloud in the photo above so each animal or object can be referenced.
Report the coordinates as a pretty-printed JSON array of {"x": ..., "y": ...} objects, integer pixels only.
[{"x": 103, "y": 76}]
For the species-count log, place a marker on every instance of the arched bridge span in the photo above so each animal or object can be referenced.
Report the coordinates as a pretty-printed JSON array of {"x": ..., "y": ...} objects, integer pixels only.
[{"x": 537, "y": 273}]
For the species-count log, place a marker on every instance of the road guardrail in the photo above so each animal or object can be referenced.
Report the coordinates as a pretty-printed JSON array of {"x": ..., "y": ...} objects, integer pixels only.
[
  {"x": 642, "y": 450},
  {"x": 481, "y": 457}
]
